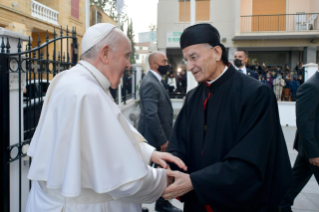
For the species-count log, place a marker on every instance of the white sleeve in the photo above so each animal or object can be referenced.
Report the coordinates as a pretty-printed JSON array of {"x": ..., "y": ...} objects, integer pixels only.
[
  {"x": 147, "y": 151},
  {"x": 145, "y": 190}
]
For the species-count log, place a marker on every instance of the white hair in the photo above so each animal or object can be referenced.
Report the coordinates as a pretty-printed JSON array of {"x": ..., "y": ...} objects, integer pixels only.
[{"x": 112, "y": 39}]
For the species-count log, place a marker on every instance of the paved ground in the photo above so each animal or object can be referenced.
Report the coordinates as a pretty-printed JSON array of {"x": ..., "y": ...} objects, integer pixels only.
[{"x": 306, "y": 201}]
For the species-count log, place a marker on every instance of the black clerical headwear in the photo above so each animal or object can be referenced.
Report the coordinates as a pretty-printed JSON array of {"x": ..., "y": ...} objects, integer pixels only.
[{"x": 201, "y": 34}]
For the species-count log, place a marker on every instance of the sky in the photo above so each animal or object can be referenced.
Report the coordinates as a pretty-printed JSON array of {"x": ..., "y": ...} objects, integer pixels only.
[{"x": 143, "y": 14}]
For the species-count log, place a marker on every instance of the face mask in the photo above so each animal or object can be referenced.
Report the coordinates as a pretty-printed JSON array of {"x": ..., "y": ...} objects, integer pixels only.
[
  {"x": 268, "y": 76},
  {"x": 279, "y": 77},
  {"x": 163, "y": 69},
  {"x": 238, "y": 63},
  {"x": 278, "y": 69}
]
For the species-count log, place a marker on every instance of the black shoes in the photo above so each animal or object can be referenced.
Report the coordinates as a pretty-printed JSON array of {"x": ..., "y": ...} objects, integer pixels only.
[
  {"x": 286, "y": 209},
  {"x": 144, "y": 209},
  {"x": 163, "y": 205}
]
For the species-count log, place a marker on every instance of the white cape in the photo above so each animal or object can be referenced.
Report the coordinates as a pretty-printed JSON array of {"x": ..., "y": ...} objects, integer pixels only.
[{"x": 83, "y": 141}]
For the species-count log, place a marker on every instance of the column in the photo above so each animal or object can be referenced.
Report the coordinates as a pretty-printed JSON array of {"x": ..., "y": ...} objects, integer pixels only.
[
  {"x": 163, "y": 50},
  {"x": 231, "y": 53},
  {"x": 309, "y": 54}
]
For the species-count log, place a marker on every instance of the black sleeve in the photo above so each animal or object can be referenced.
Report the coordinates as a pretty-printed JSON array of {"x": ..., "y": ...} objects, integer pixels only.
[
  {"x": 307, "y": 104},
  {"x": 149, "y": 99},
  {"x": 232, "y": 184}
]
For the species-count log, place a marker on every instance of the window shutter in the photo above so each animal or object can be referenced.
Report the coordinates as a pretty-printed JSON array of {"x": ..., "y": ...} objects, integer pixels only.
[{"x": 75, "y": 9}]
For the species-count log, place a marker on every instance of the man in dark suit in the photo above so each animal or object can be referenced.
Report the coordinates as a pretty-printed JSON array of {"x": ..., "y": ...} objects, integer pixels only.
[
  {"x": 307, "y": 139},
  {"x": 156, "y": 117},
  {"x": 241, "y": 58}
]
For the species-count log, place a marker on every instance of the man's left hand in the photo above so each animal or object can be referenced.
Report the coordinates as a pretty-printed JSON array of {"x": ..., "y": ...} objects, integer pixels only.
[
  {"x": 181, "y": 186},
  {"x": 314, "y": 161},
  {"x": 161, "y": 159}
]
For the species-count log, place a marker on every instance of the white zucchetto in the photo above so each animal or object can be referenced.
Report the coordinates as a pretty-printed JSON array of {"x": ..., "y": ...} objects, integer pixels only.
[{"x": 95, "y": 34}]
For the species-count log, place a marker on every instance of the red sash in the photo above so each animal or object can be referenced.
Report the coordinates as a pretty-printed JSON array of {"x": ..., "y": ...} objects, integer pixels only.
[{"x": 207, "y": 207}]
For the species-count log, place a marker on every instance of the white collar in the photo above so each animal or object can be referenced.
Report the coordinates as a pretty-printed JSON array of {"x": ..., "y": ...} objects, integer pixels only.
[
  {"x": 243, "y": 69},
  {"x": 102, "y": 80},
  {"x": 210, "y": 82},
  {"x": 157, "y": 75}
]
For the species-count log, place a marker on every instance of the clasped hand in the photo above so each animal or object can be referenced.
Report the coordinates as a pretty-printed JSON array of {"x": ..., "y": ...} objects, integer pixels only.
[{"x": 178, "y": 183}]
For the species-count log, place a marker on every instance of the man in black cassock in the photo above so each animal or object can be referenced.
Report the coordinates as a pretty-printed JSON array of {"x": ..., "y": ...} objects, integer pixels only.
[{"x": 234, "y": 163}]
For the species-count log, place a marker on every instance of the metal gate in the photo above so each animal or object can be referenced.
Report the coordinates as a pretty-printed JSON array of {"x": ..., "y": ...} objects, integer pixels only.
[{"x": 32, "y": 69}]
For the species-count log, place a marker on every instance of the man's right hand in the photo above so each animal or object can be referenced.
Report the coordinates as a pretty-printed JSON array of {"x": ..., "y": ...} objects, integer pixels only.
[
  {"x": 164, "y": 147},
  {"x": 314, "y": 161}
]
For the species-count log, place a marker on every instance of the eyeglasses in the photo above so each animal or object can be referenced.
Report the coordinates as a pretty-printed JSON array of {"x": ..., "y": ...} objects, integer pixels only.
[{"x": 194, "y": 57}]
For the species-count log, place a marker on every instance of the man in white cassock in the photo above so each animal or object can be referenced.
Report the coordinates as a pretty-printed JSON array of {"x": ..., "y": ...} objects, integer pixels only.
[{"x": 85, "y": 155}]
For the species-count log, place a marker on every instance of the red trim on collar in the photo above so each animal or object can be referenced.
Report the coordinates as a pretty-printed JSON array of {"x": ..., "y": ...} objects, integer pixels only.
[
  {"x": 205, "y": 102},
  {"x": 208, "y": 208}
]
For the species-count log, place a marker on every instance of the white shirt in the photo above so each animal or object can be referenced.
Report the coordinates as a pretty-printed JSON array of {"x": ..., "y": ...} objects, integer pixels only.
[
  {"x": 158, "y": 76},
  {"x": 244, "y": 71},
  {"x": 210, "y": 82},
  {"x": 85, "y": 155}
]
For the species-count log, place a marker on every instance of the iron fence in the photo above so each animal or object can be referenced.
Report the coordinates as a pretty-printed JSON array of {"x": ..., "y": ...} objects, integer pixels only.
[
  {"x": 32, "y": 69},
  {"x": 128, "y": 88},
  {"x": 280, "y": 22}
]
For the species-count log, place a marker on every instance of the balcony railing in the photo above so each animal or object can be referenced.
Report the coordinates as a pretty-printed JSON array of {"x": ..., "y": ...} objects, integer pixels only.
[
  {"x": 281, "y": 22},
  {"x": 44, "y": 13}
]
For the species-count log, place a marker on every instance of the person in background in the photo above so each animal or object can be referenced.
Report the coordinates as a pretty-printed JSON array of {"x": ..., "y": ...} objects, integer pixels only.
[
  {"x": 297, "y": 66},
  {"x": 264, "y": 80},
  {"x": 278, "y": 84},
  {"x": 288, "y": 81},
  {"x": 264, "y": 70},
  {"x": 240, "y": 60},
  {"x": 294, "y": 87},
  {"x": 301, "y": 72},
  {"x": 269, "y": 79},
  {"x": 288, "y": 70},
  {"x": 300, "y": 79},
  {"x": 283, "y": 68},
  {"x": 260, "y": 76},
  {"x": 143, "y": 74},
  {"x": 248, "y": 65},
  {"x": 156, "y": 119},
  {"x": 171, "y": 82},
  {"x": 263, "y": 67},
  {"x": 256, "y": 67},
  {"x": 306, "y": 140},
  {"x": 184, "y": 78},
  {"x": 276, "y": 71}
]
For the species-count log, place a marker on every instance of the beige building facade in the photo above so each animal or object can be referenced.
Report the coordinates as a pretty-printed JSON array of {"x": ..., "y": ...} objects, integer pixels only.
[
  {"x": 275, "y": 32},
  {"x": 33, "y": 18}
]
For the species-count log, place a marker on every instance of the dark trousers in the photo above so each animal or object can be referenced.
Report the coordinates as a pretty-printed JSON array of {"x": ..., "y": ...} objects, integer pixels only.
[{"x": 302, "y": 172}]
